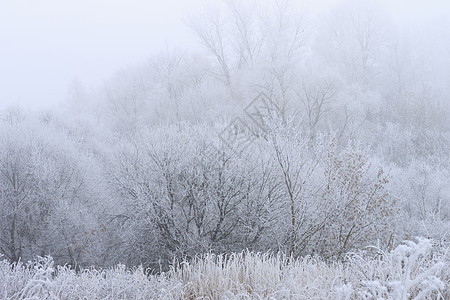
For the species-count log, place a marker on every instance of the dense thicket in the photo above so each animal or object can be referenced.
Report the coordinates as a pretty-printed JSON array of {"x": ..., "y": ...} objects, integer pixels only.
[{"x": 172, "y": 158}]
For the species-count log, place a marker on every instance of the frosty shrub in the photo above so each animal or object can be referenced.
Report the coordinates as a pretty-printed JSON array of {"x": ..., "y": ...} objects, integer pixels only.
[{"x": 410, "y": 271}]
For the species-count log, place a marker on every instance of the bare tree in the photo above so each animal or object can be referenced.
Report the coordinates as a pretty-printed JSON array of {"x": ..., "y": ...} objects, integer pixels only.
[
  {"x": 316, "y": 100},
  {"x": 212, "y": 32}
]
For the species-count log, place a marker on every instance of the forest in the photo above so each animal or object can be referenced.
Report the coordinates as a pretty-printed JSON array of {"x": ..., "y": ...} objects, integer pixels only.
[{"x": 285, "y": 142}]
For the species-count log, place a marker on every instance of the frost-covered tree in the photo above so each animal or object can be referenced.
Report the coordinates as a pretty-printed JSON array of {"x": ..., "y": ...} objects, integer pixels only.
[{"x": 44, "y": 196}]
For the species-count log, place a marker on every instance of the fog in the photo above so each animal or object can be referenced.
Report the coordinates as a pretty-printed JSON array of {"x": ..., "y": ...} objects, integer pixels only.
[{"x": 47, "y": 44}]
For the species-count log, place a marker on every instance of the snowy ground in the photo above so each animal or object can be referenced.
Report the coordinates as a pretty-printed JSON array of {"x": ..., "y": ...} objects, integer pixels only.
[{"x": 414, "y": 270}]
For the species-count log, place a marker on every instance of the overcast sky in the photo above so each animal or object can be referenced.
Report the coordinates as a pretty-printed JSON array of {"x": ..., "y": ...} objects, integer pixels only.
[{"x": 46, "y": 44}]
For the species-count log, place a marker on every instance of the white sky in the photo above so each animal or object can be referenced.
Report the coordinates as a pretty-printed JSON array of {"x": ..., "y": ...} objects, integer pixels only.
[{"x": 46, "y": 44}]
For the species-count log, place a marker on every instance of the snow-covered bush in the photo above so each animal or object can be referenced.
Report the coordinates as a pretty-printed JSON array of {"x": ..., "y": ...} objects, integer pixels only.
[{"x": 410, "y": 271}]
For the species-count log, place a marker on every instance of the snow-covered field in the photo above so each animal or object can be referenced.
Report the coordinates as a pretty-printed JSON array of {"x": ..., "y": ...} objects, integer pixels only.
[{"x": 414, "y": 270}]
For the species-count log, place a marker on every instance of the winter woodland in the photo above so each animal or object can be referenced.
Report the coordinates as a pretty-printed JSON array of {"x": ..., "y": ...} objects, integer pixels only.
[{"x": 290, "y": 157}]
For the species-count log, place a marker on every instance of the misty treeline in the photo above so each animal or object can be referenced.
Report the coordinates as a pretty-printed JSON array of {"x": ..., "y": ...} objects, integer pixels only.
[{"x": 353, "y": 151}]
